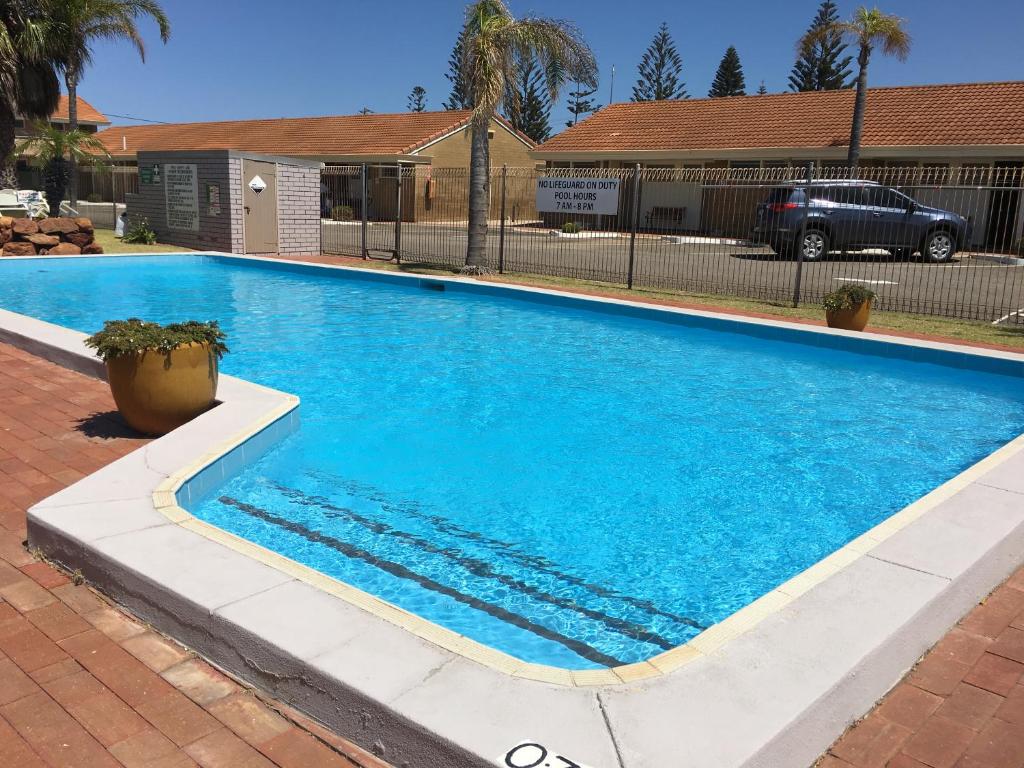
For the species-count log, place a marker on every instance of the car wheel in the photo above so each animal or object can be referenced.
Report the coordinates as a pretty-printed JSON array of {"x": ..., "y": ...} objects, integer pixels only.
[
  {"x": 939, "y": 246},
  {"x": 815, "y": 245}
]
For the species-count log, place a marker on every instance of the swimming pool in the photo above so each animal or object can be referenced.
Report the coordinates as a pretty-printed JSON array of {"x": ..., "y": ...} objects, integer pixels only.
[{"x": 577, "y": 488}]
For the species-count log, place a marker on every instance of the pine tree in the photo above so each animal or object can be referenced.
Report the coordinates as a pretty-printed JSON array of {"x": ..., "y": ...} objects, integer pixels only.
[
  {"x": 821, "y": 65},
  {"x": 418, "y": 99},
  {"x": 460, "y": 97},
  {"x": 762, "y": 90},
  {"x": 729, "y": 78},
  {"x": 660, "y": 69},
  {"x": 580, "y": 104},
  {"x": 527, "y": 104}
]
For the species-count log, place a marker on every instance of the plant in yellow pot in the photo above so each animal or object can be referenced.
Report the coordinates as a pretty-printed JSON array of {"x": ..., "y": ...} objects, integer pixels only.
[
  {"x": 160, "y": 376},
  {"x": 849, "y": 307}
]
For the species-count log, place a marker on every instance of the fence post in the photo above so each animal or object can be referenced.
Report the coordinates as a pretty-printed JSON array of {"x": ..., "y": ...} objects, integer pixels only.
[
  {"x": 365, "y": 213},
  {"x": 501, "y": 230},
  {"x": 398, "y": 218},
  {"x": 634, "y": 224},
  {"x": 803, "y": 234},
  {"x": 113, "y": 194}
]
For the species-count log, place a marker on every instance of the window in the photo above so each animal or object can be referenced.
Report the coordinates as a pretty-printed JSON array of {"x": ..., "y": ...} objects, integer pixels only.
[
  {"x": 883, "y": 197},
  {"x": 842, "y": 194}
]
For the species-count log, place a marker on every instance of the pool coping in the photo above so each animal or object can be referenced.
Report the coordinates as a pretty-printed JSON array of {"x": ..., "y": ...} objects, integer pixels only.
[{"x": 164, "y": 468}]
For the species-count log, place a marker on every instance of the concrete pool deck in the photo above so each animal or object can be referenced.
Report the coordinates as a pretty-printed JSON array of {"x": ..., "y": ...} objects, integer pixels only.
[{"x": 828, "y": 645}]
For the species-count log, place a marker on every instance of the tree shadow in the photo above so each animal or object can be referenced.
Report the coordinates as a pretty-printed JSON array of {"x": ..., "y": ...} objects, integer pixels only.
[{"x": 105, "y": 426}]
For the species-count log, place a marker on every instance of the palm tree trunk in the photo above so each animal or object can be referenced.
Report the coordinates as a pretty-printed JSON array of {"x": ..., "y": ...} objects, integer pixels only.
[
  {"x": 72, "y": 82},
  {"x": 8, "y": 174},
  {"x": 479, "y": 196},
  {"x": 859, "y": 107}
]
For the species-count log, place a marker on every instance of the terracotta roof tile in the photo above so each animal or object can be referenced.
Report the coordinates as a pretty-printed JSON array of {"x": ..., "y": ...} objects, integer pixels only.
[
  {"x": 935, "y": 115},
  {"x": 87, "y": 113},
  {"x": 333, "y": 136}
]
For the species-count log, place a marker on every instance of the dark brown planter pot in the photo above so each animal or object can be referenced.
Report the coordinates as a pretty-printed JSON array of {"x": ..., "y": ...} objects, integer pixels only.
[
  {"x": 157, "y": 393},
  {"x": 849, "y": 319}
]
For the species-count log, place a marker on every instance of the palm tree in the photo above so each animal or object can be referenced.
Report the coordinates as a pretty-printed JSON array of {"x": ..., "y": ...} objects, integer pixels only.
[
  {"x": 868, "y": 29},
  {"x": 29, "y": 86},
  {"x": 495, "y": 45},
  {"x": 57, "y": 152},
  {"x": 82, "y": 23}
]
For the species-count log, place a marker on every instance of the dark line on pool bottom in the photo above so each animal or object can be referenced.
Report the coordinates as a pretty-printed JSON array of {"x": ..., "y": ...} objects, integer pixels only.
[
  {"x": 395, "y": 569},
  {"x": 536, "y": 562},
  {"x": 484, "y": 570}
]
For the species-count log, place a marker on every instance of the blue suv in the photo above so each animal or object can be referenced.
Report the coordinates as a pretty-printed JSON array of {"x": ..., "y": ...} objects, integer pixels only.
[{"x": 856, "y": 215}]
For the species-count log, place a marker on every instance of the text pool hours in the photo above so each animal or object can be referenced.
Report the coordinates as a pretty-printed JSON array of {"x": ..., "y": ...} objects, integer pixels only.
[
  {"x": 591, "y": 196},
  {"x": 530, "y": 754}
]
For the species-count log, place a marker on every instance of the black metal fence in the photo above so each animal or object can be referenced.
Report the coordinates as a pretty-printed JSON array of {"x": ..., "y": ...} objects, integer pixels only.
[
  {"x": 102, "y": 191},
  {"x": 927, "y": 239}
]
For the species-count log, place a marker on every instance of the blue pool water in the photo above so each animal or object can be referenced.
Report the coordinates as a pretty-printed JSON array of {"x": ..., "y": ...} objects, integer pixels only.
[{"x": 576, "y": 488}]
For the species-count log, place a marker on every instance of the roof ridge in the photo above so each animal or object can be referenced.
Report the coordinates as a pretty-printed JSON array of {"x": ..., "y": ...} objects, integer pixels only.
[{"x": 263, "y": 120}]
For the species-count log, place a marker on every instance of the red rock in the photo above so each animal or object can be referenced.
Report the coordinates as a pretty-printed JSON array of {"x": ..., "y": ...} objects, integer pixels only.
[
  {"x": 64, "y": 249},
  {"x": 19, "y": 248},
  {"x": 61, "y": 225},
  {"x": 84, "y": 224},
  {"x": 92, "y": 249},
  {"x": 5, "y": 222},
  {"x": 43, "y": 241},
  {"x": 5, "y": 235},
  {"x": 81, "y": 239},
  {"x": 24, "y": 227}
]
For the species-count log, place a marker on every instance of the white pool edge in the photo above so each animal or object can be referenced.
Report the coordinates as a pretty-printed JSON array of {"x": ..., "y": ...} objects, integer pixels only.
[{"x": 777, "y": 694}]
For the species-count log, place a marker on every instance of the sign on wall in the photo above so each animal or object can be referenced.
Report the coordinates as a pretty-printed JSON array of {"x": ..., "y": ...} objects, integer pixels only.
[
  {"x": 181, "y": 185},
  {"x": 596, "y": 196},
  {"x": 213, "y": 199},
  {"x": 149, "y": 174}
]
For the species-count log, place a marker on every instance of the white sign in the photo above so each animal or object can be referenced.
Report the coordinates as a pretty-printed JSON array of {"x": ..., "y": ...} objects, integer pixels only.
[
  {"x": 181, "y": 187},
  {"x": 596, "y": 196},
  {"x": 257, "y": 184}
]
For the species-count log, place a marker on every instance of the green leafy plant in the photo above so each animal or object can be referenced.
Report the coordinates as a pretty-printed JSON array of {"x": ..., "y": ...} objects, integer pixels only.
[
  {"x": 342, "y": 213},
  {"x": 571, "y": 228},
  {"x": 94, "y": 197},
  {"x": 57, "y": 151},
  {"x": 848, "y": 296},
  {"x": 138, "y": 232},
  {"x": 120, "y": 338}
]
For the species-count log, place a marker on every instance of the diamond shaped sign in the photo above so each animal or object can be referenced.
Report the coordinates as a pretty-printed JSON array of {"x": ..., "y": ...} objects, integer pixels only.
[{"x": 257, "y": 184}]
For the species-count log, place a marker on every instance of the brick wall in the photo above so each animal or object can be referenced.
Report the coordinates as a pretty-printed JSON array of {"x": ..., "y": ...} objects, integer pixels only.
[
  {"x": 298, "y": 202},
  {"x": 298, "y": 209}
]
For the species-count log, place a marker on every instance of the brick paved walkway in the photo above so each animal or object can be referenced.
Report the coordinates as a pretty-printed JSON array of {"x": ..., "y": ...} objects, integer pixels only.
[
  {"x": 82, "y": 685},
  {"x": 961, "y": 707}
]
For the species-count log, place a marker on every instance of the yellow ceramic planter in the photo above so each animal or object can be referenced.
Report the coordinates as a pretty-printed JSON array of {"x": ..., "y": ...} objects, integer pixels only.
[
  {"x": 156, "y": 393},
  {"x": 849, "y": 319}
]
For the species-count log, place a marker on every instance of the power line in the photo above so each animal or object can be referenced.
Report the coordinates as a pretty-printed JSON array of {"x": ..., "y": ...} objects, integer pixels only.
[{"x": 139, "y": 119}]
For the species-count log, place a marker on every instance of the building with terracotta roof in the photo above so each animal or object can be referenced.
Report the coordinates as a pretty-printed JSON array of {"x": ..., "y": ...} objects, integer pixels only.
[
  {"x": 90, "y": 120},
  {"x": 931, "y": 124},
  {"x": 440, "y": 139},
  {"x": 959, "y": 137}
]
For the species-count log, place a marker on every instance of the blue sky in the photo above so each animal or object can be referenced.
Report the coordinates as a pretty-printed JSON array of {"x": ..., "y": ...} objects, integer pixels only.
[{"x": 256, "y": 58}]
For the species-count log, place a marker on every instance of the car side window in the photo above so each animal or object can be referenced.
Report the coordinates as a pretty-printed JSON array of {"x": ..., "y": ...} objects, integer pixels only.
[
  {"x": 843, "y": 195},
  {"x": 883, "y": 197}
]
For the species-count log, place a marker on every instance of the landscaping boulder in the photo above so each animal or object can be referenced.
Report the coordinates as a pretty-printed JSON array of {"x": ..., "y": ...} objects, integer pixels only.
[
  {"x": 57, "y": 226},
  {"x": 24, "y": 227},
  {"x": 5, "y": 235},
  {"x": 81, "y": 239},
  {"x": 92, "y": 249},
  {"x": 19, "y": 248},
  {"x": 6, "y": 222},
  {"x": 84, "y": 224},
  {"x": 63, "y": 249},
  {"x": 43, "y": 241}
]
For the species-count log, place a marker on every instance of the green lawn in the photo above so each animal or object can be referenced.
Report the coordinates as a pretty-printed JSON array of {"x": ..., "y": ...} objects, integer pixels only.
[{"x": 111, "y": 244}]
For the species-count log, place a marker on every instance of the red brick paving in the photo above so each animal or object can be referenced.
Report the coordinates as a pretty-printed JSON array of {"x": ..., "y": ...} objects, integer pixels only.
[
  {"x": 962, "y": 706},
  {"x": 83, "y": 684}
]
